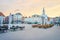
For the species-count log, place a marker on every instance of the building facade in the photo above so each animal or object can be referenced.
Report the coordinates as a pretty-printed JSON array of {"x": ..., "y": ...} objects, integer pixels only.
[
  {"x": 39, "y": 19},
  {"x": 1, "y": 18},
  {"x": 15, "y": 18}
]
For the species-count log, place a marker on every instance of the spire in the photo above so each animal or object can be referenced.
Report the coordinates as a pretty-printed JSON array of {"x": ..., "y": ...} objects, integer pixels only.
[{"x": 43, "y": 12}]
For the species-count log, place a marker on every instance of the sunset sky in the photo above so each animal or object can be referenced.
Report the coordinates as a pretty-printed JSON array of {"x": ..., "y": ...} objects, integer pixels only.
[{"x": 30, "y": 7}]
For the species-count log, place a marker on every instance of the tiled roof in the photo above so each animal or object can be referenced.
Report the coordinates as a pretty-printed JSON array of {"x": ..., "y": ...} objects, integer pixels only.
[
  {"x": 18, "y": 14},
  {"x": 1, "y": 14}
]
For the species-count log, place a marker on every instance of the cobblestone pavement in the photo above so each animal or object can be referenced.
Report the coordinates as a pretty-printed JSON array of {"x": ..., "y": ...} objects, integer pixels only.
[{"x": 32, "y": 34}]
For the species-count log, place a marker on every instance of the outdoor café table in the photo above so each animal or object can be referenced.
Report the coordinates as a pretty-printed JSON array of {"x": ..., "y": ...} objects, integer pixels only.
[
  {"x": 14, "y": 28},
  {"x": 2, "y": 29},
  {"x": 21, "y": 27}
]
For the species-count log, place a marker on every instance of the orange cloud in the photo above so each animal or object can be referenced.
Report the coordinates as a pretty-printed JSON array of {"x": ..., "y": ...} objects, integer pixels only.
[{"x": 30, "y": 7}]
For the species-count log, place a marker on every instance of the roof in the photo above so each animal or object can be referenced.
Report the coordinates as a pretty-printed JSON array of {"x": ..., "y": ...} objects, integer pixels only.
[
  {"x": 1, "y": 14},
  {"x": 18, "y": 14},
  {"x": 35, "y": 15}
]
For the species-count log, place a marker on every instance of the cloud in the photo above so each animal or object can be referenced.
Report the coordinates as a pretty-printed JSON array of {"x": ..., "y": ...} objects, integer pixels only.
[{"x": 29, "y": 7}]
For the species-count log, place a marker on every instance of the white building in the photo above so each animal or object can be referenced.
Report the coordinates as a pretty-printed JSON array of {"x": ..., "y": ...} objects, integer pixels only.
[
  {"x": 1, "y": 18},
  {"x": 44, "y": 17},
  {"x": 40, "y": 19},
  {"x": 15, "y": 19}
]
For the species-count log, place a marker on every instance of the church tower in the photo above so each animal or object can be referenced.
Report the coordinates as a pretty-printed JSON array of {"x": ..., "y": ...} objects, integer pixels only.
[
  {"x": 44, "y": 17},
  {"x": 43, "y": 12}
]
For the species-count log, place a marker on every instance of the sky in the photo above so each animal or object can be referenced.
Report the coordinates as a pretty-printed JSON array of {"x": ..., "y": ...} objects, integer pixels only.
[{"x": 30, "y": 7}]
